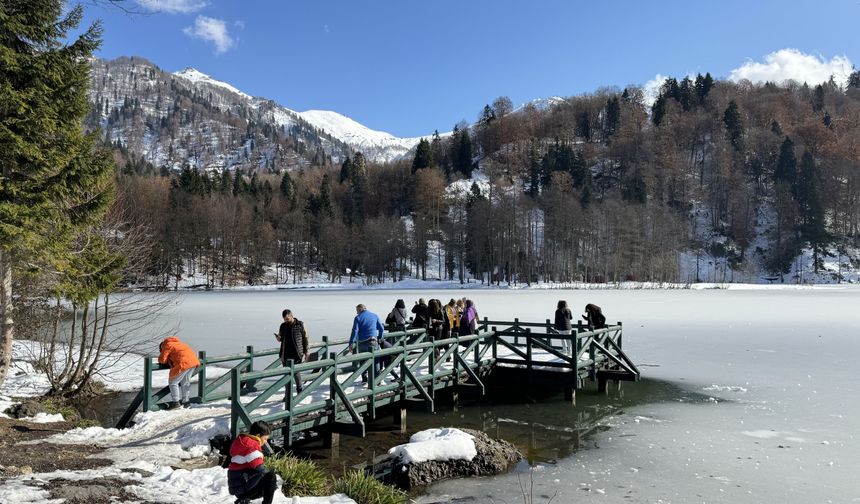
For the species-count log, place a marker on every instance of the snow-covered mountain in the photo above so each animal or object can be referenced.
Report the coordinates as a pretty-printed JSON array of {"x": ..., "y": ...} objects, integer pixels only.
[
  {"x": 375, "y": 145},
  {"x": 189, "y": 118},
  {"x": 198, "y": 77}
]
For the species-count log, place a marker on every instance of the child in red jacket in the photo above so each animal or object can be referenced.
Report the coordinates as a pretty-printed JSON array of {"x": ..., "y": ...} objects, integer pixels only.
[{"x": 247, "y": 479}]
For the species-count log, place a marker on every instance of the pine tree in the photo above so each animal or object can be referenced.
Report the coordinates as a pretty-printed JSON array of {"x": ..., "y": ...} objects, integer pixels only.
[
  {"x": 463, "y": 153},
  {"x": 239, "y": 185},
  {"x": 734, "y": 126},
  {"x": 703, "y": 86},
  {"x": 613, "y": 116},
  {"x": 423, "y": 157},
  {"x": 812, "y": 226},
  {"x": 53, "y": 178},
  {"x": 786, "y": 164},
  {"x": 658, "y": 110},
  {"x": 345, "y": 170},
  {"x": 225, "y": 184},
  {"x": 358, "y": 190},
  {"x": 854, "y": 80},
  {"x": 437, "y": 151}
]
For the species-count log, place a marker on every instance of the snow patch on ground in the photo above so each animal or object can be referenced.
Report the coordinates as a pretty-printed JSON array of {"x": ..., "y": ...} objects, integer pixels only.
[
  {"x": 435, "y": 444},
  {"x": 44, "y": 418}
]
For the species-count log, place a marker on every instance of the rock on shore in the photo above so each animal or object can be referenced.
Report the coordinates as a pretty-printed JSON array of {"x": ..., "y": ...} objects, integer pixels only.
[{"x": 492, "y": 457}]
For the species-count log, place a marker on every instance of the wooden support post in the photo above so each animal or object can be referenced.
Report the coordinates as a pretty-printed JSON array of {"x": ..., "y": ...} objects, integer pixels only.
[
  {"x": 495, "y": 343},
  {"x": 578, "y": 343},
  {"x": 570, "y": 395},
  {"x": 602, "y": 386},
  {"x": 287, "y": 430},
  {"x": 331, "y": 440},
  {"x": 371, "y": 373},
  {"x": 235, "y": 386},
  {"x": 251, "y": 385},
  {"x": 516, "y": 331},
  {"x": 201, "y": 377},
  {"x": 399, "y": 418},
  {"x": 431, "y": 367},
  {"x": 148, "y": 405},
  {"x": 455, "y": 387},
  {"x": 529, "y": 356}
]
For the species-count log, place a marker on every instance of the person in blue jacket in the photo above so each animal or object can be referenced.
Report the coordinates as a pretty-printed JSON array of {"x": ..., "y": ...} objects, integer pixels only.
[{"x": 367, "y": 331}]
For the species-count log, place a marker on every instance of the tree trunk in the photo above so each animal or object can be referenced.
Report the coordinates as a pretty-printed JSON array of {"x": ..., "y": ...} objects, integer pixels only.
[{"x": 6, "y": 321}]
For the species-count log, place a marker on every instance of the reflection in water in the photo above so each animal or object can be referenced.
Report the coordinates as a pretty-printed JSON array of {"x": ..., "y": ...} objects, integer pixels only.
[{"x": 543, "y": 426}]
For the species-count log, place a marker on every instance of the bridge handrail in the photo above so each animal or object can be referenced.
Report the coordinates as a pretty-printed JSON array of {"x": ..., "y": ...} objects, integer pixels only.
[
  {"x": 411, "y": 357},
  {"x": 590, "y": 349}
]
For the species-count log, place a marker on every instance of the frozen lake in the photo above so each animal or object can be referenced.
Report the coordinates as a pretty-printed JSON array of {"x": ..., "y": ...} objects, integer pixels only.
[{"x": 776, "y": 368}]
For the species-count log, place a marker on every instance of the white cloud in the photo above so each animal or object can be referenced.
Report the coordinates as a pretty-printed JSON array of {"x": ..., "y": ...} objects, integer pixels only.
[
  {"x": 651, "y": 89},
  {"x": 211, "y": 30},
  {"x": 791, "y": 64},
  {"x": 172, "y": 6},
  {"x": 239, "y": 24}
]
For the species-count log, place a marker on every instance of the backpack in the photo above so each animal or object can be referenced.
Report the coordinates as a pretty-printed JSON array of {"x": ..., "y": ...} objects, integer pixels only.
[{"x": 389, "y": 320}]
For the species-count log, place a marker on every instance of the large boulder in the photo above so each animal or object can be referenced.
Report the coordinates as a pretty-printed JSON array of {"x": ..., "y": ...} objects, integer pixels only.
[
  {"x": 25, "y": 409},
  {"x": 492, "y": 457}
]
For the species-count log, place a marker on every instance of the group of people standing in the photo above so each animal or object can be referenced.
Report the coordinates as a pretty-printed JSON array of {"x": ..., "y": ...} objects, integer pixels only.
[
  {"x": 564, "y": 319},
  {"x": 457, "y": 317}
]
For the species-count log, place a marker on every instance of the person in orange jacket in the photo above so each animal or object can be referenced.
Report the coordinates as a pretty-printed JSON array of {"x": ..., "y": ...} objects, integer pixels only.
[{"x": 182, "y": 361}]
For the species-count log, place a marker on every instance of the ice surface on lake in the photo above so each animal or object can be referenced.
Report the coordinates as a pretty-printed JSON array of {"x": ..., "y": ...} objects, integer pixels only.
[{"x": 775, "y": 366}]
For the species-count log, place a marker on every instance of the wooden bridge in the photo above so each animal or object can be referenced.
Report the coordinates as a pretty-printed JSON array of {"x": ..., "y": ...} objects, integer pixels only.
[{"x": 413, "y": 370}]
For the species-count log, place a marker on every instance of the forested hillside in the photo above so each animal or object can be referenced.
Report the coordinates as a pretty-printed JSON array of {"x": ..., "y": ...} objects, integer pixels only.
[{"x": 714, "y": 181}]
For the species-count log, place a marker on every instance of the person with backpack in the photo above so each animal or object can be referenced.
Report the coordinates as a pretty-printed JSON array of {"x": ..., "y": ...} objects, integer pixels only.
[
  {"x": 399, "y": 317},
  {"x": 247, "y": 477}
]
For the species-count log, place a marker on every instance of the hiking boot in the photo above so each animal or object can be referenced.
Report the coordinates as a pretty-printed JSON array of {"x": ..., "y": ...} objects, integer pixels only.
[
  {"x": 186, "y": 403},
  {"x": 174, "y": 405}
]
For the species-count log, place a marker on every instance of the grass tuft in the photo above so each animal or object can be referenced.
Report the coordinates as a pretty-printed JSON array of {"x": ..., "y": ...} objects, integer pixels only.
[
  {"x": 365, "y": 489},
  {"x": 302, "y": 478}
]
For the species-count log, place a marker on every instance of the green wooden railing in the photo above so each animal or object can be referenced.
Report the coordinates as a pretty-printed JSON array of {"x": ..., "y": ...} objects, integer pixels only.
[
  {"x": 422, "y": 365},
  {"x": 216, "y": 389}
]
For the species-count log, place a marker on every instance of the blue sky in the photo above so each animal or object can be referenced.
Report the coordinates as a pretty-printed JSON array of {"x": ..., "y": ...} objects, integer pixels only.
[{"x": 409, "y": 67}]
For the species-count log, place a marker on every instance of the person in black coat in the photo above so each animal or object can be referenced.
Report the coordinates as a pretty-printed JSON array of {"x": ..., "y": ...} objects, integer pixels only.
[
  {"x": 594, "y": 317},
  {"x": 563, "y": 317},
  {"x": 420, "y": 311},
  {"x": 293, "y": 338}
]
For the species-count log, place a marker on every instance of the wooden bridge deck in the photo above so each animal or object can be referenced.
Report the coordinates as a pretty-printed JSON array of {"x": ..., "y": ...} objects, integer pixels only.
[{"x": 413, "y": 370}]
